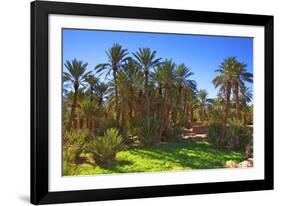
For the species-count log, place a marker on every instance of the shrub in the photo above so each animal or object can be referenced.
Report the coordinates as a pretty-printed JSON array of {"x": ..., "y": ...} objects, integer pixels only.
[
  {"x": 74, "y": 143},
  {"x": 106, "y": 123},
  {"x": 147, "y": 131},
  {"x": 237, "y": 134},
  {"x": 104, "y": 148},
  {"x": 69, "y": 167},
  {"x": 173, "y": 133},
  {"x": 216, "y": 134}
]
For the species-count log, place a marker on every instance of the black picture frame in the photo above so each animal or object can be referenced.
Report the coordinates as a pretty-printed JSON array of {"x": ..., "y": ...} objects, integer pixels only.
[{"x": 39, "y": 102}]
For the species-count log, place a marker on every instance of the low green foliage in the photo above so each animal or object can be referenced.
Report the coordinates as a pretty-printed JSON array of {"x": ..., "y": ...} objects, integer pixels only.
[
  {"x": 216, "y": 134},
  {"x": 74, "y": 143},
  {"x": 106, "y": 123},
  {"x": 237, "y": 134},
  {"x": 104, "y": 148},
  {"x": 234, "y": 135},
  {"x": 173, "y": 134},
  {"x": 184, "y": 155},
  {"x": 147, "y": 131}
]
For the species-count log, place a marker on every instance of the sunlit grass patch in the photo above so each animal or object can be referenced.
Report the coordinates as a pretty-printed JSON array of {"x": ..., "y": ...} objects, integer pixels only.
[{"x": 184, "y": 155}]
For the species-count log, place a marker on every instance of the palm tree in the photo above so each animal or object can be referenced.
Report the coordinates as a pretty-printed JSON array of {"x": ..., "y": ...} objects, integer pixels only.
[
  {"x": 183, "y": 73},
  {"x": 76, "y": 73},
  {"x": 165, "y": 77},
  {"x": 240, "y": 76},
  {"x": 203, "y": 102},
  {"x": 134, "y": 78},
  {"x": 92, "y": 81},
  {"x": 100, "y": 89},
  {"x": 184, "y": 84},
  {"x": 245, "y": 97},
  {"x": 224, "y": 80},
  {"x": 88, "y": 110},
  {"x": 116, "y": 56},
  {"x": 146, "y": 60},
  {"x": 123, "y": 86}
]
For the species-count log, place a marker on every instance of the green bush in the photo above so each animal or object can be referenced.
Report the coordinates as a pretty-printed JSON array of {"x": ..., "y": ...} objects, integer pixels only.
[
  {"x": 69, "y": 167},
  {"x": 216, "y": 134},
  {"x": 147, "y": 131},
  {"x": 104, "y": 148},
  {"x": 173, "y": 134},
  {"x": 249, "y": 149},
  {"x": 74, "y": 143},
  {"x": 237, "y": 134},
  {"x": 106, "y": 123}
]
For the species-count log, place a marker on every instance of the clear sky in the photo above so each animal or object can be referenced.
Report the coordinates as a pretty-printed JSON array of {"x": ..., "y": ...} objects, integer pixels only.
[{"x": 203, "y": 54}]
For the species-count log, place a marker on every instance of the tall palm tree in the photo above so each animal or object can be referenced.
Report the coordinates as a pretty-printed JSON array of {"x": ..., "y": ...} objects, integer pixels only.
[
  {"x": 224, "y": 80},
  {"x": 88, "y": 110},
  {"x": 116, "y": 56},
  {"x": 92, "y": 80},
  {"x": 203, "y": 103},
  {"x": 183, "y": 73},
  {"x": 246, "y": 96},
  {"x": 134, "y": 78},
  {"x": 165, "y": 78},
  {"x": 76, "y": 73},
  {"x": 123, "y": 86},
  {"x": 147, "y": 60},
  {"x": 100, "y": 89},
  {"x": 183, "y": 83},
  {"x": 240, "y": 77}
]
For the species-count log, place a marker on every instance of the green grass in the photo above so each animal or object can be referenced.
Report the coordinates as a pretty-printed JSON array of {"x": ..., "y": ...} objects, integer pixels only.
[{"x": 166, "y": 157}]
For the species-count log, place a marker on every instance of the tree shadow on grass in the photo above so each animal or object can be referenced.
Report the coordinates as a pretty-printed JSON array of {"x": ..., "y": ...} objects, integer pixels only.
[
  {"x": 173, "y": 156},
  {"x": 188, "y": 155},
  {"x": 116, "y": 167}
]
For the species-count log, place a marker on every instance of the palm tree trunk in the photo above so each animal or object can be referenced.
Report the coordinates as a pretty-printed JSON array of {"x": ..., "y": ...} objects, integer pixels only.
[
  {"x": 191, "y": 114},
  {"x": 147, "y": 103},
  {"x": 201, "y": 113},
  {"x": 161, "y": 118},
  {"x": 187, "y": 115},
  {"x": 174, "y": 116},
  {"x": 134, "y": 108},
  {"x": 237, "y": 106},
  {"x": 116, "y": 99},
  {"x": 91, "y": 95},
  {"x": 73, "y": 107},
  {"x": 227, "y": 105},
  {"x": 124, "y": 119}
]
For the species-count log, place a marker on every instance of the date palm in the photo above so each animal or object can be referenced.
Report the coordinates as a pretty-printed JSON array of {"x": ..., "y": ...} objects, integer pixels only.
[
  {"x": 92, "y": 81},
  {"x": 246, "y": 97},
  {"x": 183, "y": 73},
  {"x": 122, "y": 82},
  {"x": 146, "y": 60},
  {"x": 116, "y": 56},
  {"x": 100, "y": 89},
  {"x": 240, "y": 77},
  {"x": 183, "y": 83},
  {"x": 135, "y": 79},
  {"x": 165, "y": 77},
  {"x": 88, "y": 111},
  {"x": 203, "y": 102},
  {"x": 224, "y": 80},
  {"x": 76, "y": 72}
]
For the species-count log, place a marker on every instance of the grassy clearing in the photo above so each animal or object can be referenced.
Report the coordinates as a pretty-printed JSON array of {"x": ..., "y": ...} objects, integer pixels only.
[{"x": 167, "y": 157}]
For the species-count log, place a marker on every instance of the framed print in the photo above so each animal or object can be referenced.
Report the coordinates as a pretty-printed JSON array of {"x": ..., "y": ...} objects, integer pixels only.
[{"x": 131, "y": 102}]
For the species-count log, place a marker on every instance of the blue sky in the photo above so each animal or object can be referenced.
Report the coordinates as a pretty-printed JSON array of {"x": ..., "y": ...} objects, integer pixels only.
[{"x": 203, "y": 54}]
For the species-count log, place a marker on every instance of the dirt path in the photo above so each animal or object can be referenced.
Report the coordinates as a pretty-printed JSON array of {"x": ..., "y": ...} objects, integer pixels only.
[{"x": 197, "y": 132}]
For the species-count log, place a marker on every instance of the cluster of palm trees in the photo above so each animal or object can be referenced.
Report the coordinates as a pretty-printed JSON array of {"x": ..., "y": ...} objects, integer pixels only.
[
  {"x": 131, "y": 87},
  {"x": 231, "y": 79}
]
